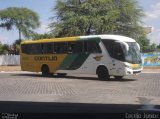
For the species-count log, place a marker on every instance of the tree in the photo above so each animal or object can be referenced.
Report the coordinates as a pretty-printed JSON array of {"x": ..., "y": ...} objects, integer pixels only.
[
  {"x": 37, "y": 36},
  {"x": 153, "y": 47},
  {"x": 85, "y": 17},
  {"x": 16, "y": 46},
  {"x": 158, "y": 46},
  {"x": 3, "y": 48},
  {"x": 146, "y": 46},
  {"x": 24, "y": 19}
]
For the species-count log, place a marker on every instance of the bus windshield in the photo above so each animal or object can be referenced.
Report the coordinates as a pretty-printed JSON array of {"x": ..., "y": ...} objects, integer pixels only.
[
  {"x": 117, "y": 51},
  {"x": 133, "y": 54}
]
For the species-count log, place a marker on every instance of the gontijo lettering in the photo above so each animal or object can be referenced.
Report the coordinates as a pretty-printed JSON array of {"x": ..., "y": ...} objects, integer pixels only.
[{"x": 45, "y": 58}]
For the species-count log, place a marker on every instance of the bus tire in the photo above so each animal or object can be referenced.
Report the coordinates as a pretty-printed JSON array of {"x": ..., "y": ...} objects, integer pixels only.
[
  {"x": 45, "y": 71},
  {"x": 118, "y": 77},
  {"x": 102, "y": 73}
]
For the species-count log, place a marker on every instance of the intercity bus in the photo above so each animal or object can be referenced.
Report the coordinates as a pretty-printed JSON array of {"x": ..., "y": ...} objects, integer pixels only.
[{"x": 101, "y": 55}]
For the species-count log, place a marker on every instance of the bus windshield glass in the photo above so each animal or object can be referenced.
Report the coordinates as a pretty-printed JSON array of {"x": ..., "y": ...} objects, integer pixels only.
[
  {"x": 133, "y": 54},
  {"x": 117, "y": 51}
]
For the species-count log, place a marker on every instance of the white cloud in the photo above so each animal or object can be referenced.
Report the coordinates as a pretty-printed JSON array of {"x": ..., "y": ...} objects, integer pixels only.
[
  {"x": 155, "y": 36},
  {"x": 153, "y": 13},
  {"x": 152, "y": 19},
  {"x": 3, "y": 39},
  {"x": 43, "y": 29}
]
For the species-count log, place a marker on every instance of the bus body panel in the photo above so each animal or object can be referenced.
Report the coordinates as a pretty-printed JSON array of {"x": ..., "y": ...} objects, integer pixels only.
[
  {"x": 35, "y": 62},
  {"x": 81, "y": 63}
]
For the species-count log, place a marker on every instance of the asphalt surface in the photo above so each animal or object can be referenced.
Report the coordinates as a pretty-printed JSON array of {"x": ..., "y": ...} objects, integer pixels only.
[{"x": 29, "y": 92}]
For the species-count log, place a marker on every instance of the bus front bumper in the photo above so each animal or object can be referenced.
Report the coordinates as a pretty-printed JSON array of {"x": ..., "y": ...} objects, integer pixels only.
[{"x": 132, "y": 72}]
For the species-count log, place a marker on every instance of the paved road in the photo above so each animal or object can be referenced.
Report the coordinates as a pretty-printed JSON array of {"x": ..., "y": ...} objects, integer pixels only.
[{"x": 78, "y": 90}]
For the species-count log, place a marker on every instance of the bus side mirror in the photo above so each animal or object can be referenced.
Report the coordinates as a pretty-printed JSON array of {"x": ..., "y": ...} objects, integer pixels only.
[
  {"x": 126, "y": 46},
  {"x": 123, "y": 45},
  {"x": 138, "y": 46}
]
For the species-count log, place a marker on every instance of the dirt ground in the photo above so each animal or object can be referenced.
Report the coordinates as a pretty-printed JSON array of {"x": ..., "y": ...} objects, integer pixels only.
[
  {"x": 10, "y": 68},
  {"x": 151, "y": 69},
  {"x": 18, "y": 68}
]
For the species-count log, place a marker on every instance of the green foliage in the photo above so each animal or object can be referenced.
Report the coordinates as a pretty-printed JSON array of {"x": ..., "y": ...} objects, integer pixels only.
[
  {"x": 16, "y": 45},
  {"x": 3, "y": 48},
  {"x": 158, "y": 46},
  {"x": 17, "y": 42},
  {"x": 145, "y": 45},
  {"x": 85, "y": 17},
  {"x": 24, "y": 19},
  {"x": 153, "y": 47},
  {"x": 42, "y": 36}
]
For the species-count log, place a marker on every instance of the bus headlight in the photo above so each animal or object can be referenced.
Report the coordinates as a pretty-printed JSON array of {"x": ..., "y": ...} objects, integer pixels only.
[{"x": 127, "y": 66}]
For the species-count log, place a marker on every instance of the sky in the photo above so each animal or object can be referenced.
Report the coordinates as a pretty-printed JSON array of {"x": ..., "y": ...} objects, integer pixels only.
[{"x": 44, "y": 9}]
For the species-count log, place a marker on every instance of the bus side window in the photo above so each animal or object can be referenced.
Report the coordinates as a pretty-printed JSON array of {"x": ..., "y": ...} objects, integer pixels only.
[
  {"x": 114, "y": 49},
  {"x": 117, "y": 51},
  {"x": 78, "y": 47},
  {"x": 35, "y": 49},
  {"x": 92, "y": 46},
  {"x": 60, "y": 47},
  {"x": 25, "y": 48},
  {"x": 75, "y": 47},
  {"x": 47, "y": 48},
  {"x": 85, "y": 49},
  {"x": 71, "y": 47}
]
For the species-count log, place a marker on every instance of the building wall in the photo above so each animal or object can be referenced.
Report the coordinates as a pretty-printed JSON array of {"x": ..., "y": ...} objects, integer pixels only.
[{"x": 9, "y": 60}]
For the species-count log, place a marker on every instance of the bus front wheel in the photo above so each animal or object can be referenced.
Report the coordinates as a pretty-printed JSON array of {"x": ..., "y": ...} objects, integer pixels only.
[
  {"x": 45, "y": 70},
  {"x": 102, "y": 73}
]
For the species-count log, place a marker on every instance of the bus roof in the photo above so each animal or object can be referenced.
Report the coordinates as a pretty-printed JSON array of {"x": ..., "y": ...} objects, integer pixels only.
[
  {"x": 51, "y": 40},
  {"x": 111, "y": 37},
  {"x": 107, "y": 37}
]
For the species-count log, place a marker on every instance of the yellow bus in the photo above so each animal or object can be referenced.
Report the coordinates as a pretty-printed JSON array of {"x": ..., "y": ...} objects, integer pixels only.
[{"x": 104, "y": 55}]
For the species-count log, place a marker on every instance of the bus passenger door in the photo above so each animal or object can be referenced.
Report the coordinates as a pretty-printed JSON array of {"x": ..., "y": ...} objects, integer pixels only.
[{"x": 93, "y": 55}]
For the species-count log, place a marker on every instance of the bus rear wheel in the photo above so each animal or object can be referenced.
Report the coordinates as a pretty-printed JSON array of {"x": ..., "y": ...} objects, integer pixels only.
[
  {"x": 102, "y": 73},
  {"x": 45, "y": 71}
]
